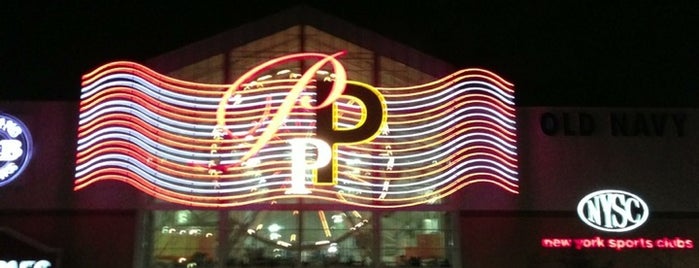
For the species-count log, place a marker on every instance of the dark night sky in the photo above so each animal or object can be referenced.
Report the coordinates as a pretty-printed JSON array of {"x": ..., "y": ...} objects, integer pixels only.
[{"x": 579, "y": 54}]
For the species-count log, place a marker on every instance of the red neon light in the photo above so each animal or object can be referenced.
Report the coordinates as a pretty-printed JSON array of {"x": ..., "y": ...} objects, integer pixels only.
[
  {"x": 294, "y": 94},
  {"x": 175, "y": 139},
  {"x": 619, "y": 244}
]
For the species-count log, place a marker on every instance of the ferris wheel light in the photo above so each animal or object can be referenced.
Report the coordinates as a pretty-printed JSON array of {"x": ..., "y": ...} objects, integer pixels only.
[
  {"x": 283, "y": 244},
  {"x": 274, "y": 228},
  {"x": 332, "y": 248},
  {"x": 337, "y": 218}
]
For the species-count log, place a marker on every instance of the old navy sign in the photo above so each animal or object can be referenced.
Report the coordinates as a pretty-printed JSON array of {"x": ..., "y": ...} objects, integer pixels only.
[
  {"x": 15, "y": 148},
  {"x": 279, "y": 133}
]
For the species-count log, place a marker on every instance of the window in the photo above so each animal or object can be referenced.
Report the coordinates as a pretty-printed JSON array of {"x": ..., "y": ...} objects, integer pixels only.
[
  {"x": 416, "y": 238},
  {"x": 260, "y": 238}
]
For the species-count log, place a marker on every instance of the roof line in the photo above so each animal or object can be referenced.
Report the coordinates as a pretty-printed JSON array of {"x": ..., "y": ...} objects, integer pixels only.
[{"x": 300, "y": 15}]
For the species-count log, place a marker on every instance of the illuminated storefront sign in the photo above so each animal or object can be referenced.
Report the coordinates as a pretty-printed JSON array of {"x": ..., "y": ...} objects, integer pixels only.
[
  {"x": 18, "y": 250},
  {"x": 15, "y": 148},
  {"x": 25, "y": 264},
  {"x": 619, "y": 243},
  {"x": 615, "y": 124},
  {"x": 613, "y": 211},
  {"x": 275, "y": 134}
]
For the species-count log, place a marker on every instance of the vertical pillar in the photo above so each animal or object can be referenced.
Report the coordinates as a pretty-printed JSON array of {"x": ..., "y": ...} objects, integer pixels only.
[
  {"x": 302, "y": 45},
  {"x": 224, "y": 231},
  {"x": 226, "y": 68},
  {"x": 377, "y": 70},
  {"x": 377, "y": 216},
  {"x": 299, "y": 236},
  {"x": 224, "y": 225},
  {"x": 454, "y": 244},
  {"x": 377, "y": 227},
  {"x": 144, "y": 239}
]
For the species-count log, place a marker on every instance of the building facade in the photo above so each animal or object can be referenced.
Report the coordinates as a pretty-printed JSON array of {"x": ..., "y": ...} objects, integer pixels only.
[{"x": 146, "y": 171}]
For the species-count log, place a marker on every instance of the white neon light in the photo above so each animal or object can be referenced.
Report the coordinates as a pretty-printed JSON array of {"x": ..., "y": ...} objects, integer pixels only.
[
  {"x": 441, "y": 180},
  {"x": 613, "y": 210},
  {"x": 468, "y": 126},
  {"x": 25, "y": 264},
  {"x": 15, "y": 148},
  {"x": 10, "y": 150},
  {"x": 192, "y": 129},
  {"x": 299, "y": 164},
  {"x": 452, "y": 92},
  {"x": 284, "y": 244},
  {"x": 442, "y": 151}
]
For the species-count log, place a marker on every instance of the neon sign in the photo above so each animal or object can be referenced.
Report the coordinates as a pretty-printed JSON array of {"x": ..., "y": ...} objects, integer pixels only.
[
  {"x": 25, "y": 264},
  {"x": 619, "y": 244},
  {"x": 275, "y": 134},
  {"x": 613, "y": 211},
  {"x": 15, "y": 148}
]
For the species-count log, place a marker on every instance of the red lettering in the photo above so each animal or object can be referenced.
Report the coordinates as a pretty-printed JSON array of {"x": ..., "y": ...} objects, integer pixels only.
[
  {"x": 676, "y": 243},
  {"x": 556, "y": 243},
  {"x": 595, "y": 242},
  {"x": 598, "y": 242},
  {"x": 565, "y": 243},
  {"x": 680, "y": 243},
  {"x": 619, "y": 244}
]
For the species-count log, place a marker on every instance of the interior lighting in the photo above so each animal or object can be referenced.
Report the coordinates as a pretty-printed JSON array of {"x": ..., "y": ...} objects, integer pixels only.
[
  {"x": 332, "y": 248},
  {"x": 274, "y": 228}
]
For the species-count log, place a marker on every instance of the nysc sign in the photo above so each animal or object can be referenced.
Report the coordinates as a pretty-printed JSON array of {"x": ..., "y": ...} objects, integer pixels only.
[{"x": 613, "y": 210}]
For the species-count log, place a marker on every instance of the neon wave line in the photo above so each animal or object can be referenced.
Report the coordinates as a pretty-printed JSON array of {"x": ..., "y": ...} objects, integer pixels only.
[{"x": 218, "y": 145}]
